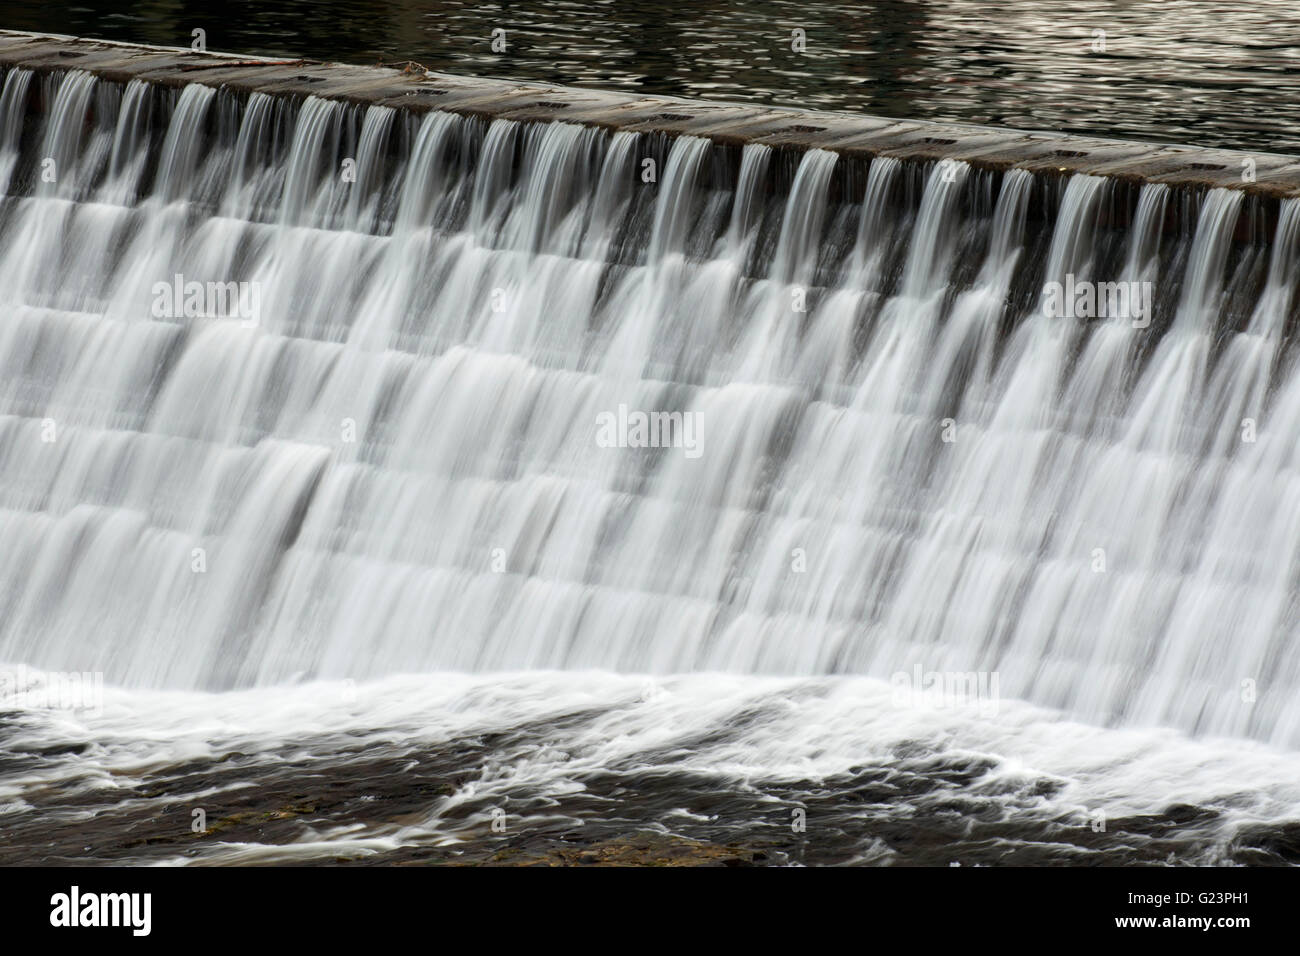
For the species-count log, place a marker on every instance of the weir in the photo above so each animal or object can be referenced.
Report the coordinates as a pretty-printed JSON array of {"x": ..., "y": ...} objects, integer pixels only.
[{"x": 905, "y": 461}]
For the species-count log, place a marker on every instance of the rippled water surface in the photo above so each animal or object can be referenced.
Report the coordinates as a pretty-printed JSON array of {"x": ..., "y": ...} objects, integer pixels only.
[
  {"x": 1207, "y": 74},
  {"x": 551, "y": 768}
]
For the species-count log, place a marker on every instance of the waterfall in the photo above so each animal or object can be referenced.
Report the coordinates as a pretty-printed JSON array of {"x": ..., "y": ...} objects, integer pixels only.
[{"x": 309, "y": 390}]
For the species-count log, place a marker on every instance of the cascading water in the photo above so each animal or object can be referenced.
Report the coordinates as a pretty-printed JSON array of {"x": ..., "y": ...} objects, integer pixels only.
[{"x": 383, "y": 453}]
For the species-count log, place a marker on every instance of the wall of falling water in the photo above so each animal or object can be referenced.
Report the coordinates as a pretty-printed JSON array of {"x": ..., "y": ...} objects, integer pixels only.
[{"x": 395, "y": 464}]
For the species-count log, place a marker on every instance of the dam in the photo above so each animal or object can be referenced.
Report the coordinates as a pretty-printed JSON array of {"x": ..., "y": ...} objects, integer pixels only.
[{"x": 384, "y": 453}]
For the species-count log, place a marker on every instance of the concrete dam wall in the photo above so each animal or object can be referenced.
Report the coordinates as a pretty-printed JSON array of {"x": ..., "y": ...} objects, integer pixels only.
[{"x": 321, "y": 371}]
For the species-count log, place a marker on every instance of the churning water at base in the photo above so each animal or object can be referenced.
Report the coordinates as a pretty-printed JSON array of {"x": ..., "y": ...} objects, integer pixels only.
[
  {"x": 536, "y": 407},
  {"x": 421, "y": 768}
]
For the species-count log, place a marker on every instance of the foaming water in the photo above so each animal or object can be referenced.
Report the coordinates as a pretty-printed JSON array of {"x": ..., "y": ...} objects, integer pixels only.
[
  {"x": 882, "y": 454},
  {"x": 421, "y": 767}
]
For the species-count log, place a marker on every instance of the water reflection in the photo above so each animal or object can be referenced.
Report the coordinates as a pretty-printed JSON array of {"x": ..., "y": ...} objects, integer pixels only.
[{"x": 1171, "y": 70}]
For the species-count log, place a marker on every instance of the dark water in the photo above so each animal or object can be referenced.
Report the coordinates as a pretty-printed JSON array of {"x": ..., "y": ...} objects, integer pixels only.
[
  {"x": 1209, "y": 74},
  {"x": 358, "y": 799}
]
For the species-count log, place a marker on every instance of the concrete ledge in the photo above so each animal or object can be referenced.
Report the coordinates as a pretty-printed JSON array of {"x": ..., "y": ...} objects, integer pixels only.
[{"x": 1276, "y": 176}]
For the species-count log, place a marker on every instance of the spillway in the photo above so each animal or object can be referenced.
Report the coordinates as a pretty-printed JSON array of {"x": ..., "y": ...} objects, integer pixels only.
[{"x": 295, "y": 390}]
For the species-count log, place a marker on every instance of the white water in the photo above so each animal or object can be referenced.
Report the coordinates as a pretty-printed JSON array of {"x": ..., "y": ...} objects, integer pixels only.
[
  {"x": 805, "y": 730},
  {"x": 469, "y": 307}
]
